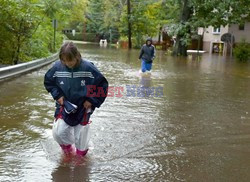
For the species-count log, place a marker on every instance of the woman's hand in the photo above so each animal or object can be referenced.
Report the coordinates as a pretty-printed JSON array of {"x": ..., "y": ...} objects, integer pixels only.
[
  {"x": 60, "y": 100},
  {"x": 87, "y": 105}
]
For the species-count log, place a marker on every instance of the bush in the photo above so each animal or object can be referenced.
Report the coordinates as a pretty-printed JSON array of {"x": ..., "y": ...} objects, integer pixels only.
[
  {"x": 242, "y": 51},
  {"x": 89, "y": 37}
]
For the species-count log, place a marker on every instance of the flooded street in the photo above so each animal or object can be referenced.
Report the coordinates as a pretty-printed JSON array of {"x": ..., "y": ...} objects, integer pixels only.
[{"x": 198, "y": 129}]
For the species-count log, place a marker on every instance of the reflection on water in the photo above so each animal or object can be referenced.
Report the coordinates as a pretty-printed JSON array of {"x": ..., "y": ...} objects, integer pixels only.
[
  {"x": 72, "y": 173},
  {"x": 197, "y": 130}
]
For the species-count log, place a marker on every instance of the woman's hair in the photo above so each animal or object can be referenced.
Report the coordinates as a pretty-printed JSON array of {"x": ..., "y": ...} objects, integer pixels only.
[{"x": 69, "y": 52}]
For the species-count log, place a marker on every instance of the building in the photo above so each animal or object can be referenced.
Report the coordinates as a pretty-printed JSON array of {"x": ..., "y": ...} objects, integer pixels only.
[{"x": 212, "y": 36}]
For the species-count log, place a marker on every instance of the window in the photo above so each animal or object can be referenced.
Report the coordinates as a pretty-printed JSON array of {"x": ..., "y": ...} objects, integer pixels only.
[
  {"x": 216, "y": 30},
  {"x": 242, "y": 26}
]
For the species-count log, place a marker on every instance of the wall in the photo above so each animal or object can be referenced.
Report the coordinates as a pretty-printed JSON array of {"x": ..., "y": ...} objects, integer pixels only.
[
  {"x": 240, "y": 34},
  {"x": 209, "y": 37}
]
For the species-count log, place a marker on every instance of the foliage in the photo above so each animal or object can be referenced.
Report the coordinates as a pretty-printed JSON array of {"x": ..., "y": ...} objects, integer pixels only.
[
  {"x": 147, "y": 18},
  {"x": 242, "y": 51},
  {"x": 205, "y": 13},
  {"x": 95, "y": 14},
  {"x": 103, "y": 18},
  {"x": 17, "y": 21},
  {"x": 89, "y": 37},
  {"x": 26, "y": 31}
]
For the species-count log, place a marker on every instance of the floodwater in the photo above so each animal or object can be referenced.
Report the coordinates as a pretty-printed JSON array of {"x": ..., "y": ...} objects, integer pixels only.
[{"x": 196, "y": 127}]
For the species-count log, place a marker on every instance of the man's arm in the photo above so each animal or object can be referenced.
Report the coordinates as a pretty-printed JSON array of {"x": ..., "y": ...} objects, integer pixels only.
[
  {"x": 141, "y": 52},
  {"x": 153, "y": 53}
]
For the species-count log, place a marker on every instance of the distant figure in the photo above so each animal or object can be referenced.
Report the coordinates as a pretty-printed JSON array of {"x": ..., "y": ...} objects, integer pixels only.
[
  {"x": 216, "y": 48},
  {"x": 69, "y": 82},
  {"x": 147, "y": 55},
  {"x": 103, "y": 42}
]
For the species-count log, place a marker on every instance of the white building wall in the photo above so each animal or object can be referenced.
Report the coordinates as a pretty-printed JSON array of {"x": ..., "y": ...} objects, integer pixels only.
[
  {"x": 240, "y": 34},
  {"x": 209, "y": 37}
]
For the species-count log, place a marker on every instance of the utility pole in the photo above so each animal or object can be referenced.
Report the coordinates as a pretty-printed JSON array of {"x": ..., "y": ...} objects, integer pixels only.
[{"x": 129, "y": 25}]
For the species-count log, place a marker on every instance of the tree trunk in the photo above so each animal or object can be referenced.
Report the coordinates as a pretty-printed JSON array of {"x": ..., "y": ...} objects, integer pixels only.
[
  {"x": 180, "y": 48},
  {"x": 16, "y": 58},
  {"x": 159, "y": 36},
  {"x": 84, "y": 31},
  {"x": 129, "y": 25}
]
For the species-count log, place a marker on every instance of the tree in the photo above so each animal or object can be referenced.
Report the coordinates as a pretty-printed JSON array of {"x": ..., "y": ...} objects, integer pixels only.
[
  {"x": 129, "y": 24},
  {"x": 147, "y": 17},
  {"x": 19, "y": 24},
  {"x": 77, "y": 17},
  {"x": 113, "y": 10},
  {"x": 95, "y": 14},
  {"x": 26, "y": 27},
  {"x": 184, "y": 29},
  {"x": 203, "y": 13}
]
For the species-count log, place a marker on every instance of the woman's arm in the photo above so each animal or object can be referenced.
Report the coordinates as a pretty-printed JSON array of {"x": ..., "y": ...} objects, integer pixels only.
[{"x": 50, "y": 84}]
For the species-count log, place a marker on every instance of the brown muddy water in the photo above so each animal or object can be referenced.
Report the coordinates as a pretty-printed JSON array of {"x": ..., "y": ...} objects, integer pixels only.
[{"x": 197, "y": 130}]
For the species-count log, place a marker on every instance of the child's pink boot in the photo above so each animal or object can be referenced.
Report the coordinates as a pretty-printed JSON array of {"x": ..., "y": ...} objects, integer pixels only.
[
  {"x": 68, "y": 153},
  {"x": 81, "y": 153},
  {"x": 80, "y": 156},
  {"x": 67, "y": 149}
]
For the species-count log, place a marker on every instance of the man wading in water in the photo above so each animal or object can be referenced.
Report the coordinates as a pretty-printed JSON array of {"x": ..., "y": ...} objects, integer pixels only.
[{"x": 147, "y": 55}]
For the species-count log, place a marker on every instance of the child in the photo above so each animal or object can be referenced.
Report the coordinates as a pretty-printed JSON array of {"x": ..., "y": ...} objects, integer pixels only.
[
  {"x": 68, "y": 82},
  {"x": 147, "y": 55}
]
